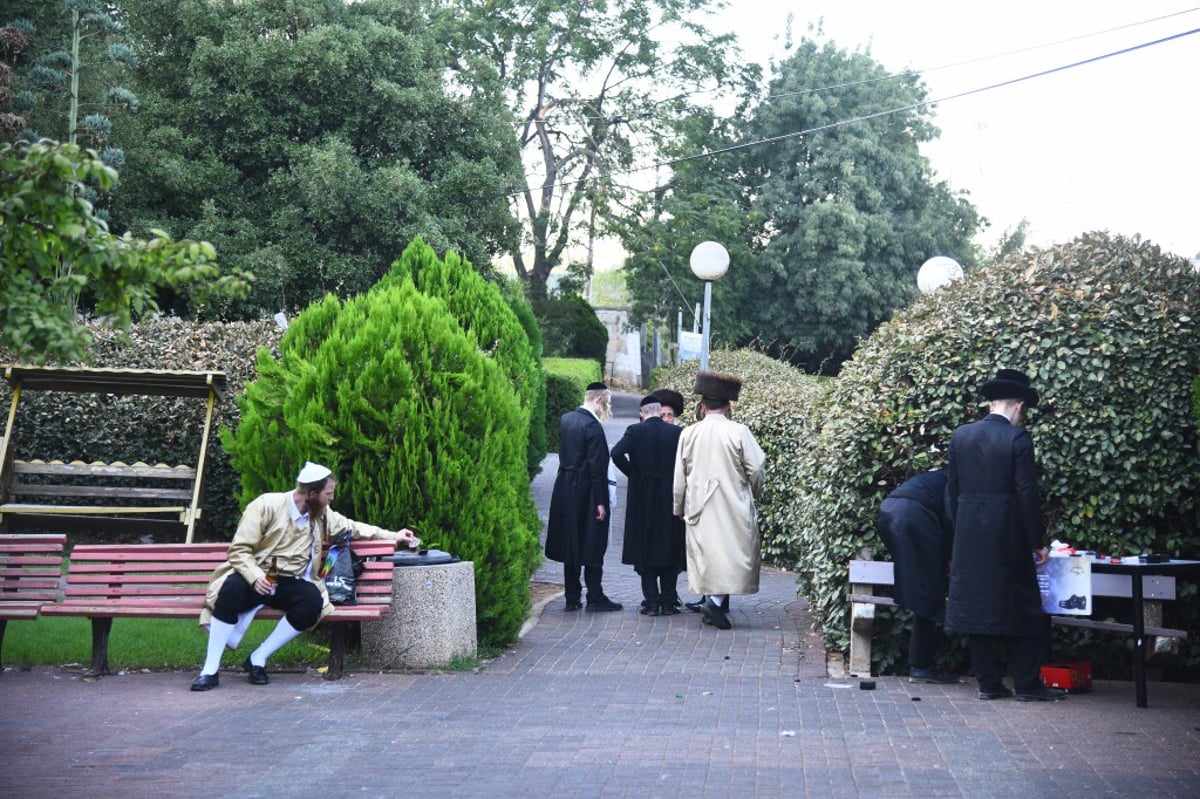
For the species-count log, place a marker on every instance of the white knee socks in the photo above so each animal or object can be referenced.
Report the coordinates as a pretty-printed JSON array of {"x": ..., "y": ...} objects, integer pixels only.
[
  {"x": 218, "y": 633},
  {"x": 243, "y": 624},
  {"x": 282, "y": 633}
]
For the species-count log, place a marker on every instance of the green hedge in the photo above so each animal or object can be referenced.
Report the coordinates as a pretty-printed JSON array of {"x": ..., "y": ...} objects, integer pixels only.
[
  {"x": 1106, "y": 328},
  {"x": 566, "y": 381}
]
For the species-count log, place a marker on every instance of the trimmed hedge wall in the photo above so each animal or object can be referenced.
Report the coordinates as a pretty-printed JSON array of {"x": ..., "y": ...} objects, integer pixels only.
[{"x": 566, "y": 381}]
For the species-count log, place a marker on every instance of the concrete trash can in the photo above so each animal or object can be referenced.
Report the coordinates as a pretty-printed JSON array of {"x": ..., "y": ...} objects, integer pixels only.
[{"x": 432, "y": 617}]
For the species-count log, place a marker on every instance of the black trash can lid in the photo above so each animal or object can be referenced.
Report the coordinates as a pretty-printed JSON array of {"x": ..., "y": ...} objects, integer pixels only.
[{"x": 423, "y": 557}]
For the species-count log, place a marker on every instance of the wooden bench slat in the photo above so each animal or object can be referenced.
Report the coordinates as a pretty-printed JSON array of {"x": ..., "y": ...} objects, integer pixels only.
[
  {"x": 96, "y": 491},
  {"x": 159, "y": 471},
  {"x": 30, "y": 576}
]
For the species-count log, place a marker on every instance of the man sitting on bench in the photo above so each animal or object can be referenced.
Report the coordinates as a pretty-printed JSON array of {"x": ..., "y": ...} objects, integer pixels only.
[{"x": 286, "y": 531}]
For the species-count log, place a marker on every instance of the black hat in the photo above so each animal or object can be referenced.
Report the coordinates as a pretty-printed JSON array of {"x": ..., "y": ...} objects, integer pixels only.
[
  {"x": 718, "y": 386},
  {"x": 671, "y": 398},
  {"x": 1010, "y": 384},
  {"x": 597, "y": 387},
  {"x": 649, "y": 399}
]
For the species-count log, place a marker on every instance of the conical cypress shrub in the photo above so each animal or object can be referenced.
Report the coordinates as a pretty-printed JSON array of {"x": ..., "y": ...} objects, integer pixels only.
[
  {"x": 420, "y": 427},
  {"x": 481, "y": 308}
]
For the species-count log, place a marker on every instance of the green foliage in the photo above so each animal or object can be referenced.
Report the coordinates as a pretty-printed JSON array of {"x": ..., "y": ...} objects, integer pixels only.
[
  {"x": 571, "y": 329},
  {"x": 482, "y": 310},
  {"x": 825, "y": 231},
  {"x": 774, "y": 404},
  {"x": 538, "y": 446},
  {"x": 391, "y": 392},
  {"x": 54, "y": 250},
  {"x": 1105, "y": 327},
  {"x": 310, "y": 142},
  {"x": 593, "y": 89},
  {"x": 566, "y": 381},
  {"x": 98, "y": 427}
]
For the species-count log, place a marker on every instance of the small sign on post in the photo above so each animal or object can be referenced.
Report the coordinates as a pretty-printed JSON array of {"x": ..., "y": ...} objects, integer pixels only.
[{"x": 690, "y": 345}]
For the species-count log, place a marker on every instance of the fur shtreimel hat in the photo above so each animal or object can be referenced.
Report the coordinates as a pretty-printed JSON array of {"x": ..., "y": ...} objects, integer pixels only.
[
  {"x": 1010, "y": 384},
  {"x": 718, "y": 386},
  {"x": 671, "y": 399}
]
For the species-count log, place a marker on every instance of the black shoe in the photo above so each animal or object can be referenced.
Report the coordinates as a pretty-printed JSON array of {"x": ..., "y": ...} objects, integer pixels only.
[
  {"x": 1042, "y": 694},
  {"x": 695, "y": 607},
  {"x": 603, "y": 605},
  {"x": 1074, "y": 602},
  {"x": 669, "y": 610},
  {"x": 258, "y": 674},
  {"x": 916, "y": 674},
  {"x": 651, "y": 609},
  {"x": 715, "y": 615},
  {"x": 206, "y": 682},
  {"x": 572, "y": 606},
  {"x": 995, "y": 693}
]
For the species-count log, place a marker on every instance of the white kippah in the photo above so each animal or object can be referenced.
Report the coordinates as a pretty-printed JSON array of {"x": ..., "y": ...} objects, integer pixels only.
[{"x": 312, "y": 472}]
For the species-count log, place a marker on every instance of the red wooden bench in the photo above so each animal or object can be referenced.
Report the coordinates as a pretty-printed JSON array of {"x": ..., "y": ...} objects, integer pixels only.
[
  {"x": 30, "y": 576},
  {"x": 168, "y": 581}
]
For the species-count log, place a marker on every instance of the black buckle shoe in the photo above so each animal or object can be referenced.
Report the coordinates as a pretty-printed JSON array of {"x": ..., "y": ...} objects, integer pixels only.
[
  {"x": 258, "y": 674},
  {"x": 715, "y": 615},
  {"x": 206, "y": 682},
  {"x": 604, "y": 605}
]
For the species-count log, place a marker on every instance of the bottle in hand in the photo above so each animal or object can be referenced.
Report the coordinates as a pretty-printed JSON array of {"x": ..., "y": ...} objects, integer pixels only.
[{"x": 273, "y": 575}]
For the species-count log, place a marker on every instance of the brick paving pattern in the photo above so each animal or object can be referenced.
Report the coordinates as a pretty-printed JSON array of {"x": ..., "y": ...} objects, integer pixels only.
[{"x": 595, "y": 705}]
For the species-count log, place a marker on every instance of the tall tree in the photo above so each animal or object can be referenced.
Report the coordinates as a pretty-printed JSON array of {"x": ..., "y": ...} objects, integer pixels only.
[
  {"x": 310, "y": 142},
  {"x": 851, "y": 207},
  {"x": 593, "y": 88},
  {"x": 822, "y": 198},
  {"x": 74, "y": 83}
]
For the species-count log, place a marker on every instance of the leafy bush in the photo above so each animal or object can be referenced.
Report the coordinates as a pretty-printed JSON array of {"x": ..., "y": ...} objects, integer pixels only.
[
  {"x": 483, "y": 311},
  {"x": 1105, "y": 327},
  {"x": 98, "y": 427},
  {"x": 392, "y": 393},
  {"x": 571, "y": 329},
  {"x": 774, "y": 404},
  {"x": 566, "y": 381}
]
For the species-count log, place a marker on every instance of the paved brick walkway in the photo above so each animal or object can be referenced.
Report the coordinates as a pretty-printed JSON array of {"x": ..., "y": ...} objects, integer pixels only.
[{"x": 594, "y": 705}]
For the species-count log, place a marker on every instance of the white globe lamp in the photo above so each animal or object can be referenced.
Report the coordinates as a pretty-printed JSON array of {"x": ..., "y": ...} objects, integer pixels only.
[
  {"x": 709, "y": 261},
  {"x": 938, "y": 271}
]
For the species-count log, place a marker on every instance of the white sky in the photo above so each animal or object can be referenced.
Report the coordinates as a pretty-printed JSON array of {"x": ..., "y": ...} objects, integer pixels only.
[{"x": 1112, "y": 145}]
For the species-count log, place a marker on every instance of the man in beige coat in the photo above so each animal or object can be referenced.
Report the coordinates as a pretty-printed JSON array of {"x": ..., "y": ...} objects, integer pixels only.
[
  {"x": 718, "y": 475},
  {"x": 287, "y": 531}
]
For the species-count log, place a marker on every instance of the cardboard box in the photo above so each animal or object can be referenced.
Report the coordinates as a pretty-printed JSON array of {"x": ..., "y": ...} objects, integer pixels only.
[{"x": 1075, "y": 678}]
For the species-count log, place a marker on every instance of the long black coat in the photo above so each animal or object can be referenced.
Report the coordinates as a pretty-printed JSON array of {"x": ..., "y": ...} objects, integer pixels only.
[
  {"x": 653, "y": 533},
  {"x": 572, "y": 533},
  {"x": 914, "y": 525},
  {"x": 997, "y": 516}
]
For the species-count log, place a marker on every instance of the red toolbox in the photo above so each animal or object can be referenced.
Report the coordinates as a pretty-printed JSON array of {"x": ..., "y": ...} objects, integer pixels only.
[{"x": 1075, "y": 678}]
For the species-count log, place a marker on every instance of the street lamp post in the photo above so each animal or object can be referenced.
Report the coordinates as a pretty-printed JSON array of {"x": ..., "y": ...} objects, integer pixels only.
[{"x": 709, "y": 262}]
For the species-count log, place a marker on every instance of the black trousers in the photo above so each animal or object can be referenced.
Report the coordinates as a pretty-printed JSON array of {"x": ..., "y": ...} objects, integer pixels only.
[
  {"x": 920, "y": 643},
  {"x": 591, "y": 576},
  {"x": 659, "y": 585},
  {"x": 299, "y": 600},
  {"x": 1025, "y": 660}
]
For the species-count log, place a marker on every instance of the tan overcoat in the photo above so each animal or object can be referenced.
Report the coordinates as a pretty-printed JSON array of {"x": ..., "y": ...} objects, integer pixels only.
[
  {"x": 718, "y": 474},
  {"x": 267, "y": 530}
]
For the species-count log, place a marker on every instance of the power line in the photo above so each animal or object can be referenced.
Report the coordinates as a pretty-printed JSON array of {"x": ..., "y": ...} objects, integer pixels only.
[{"x": 868, "y": 117}]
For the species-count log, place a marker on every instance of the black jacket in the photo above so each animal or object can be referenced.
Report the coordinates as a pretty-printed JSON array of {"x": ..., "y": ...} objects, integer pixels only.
[
  {"x": 572, "y": 533},
  {"x": 997, "y": 515},
  {"x": 914, "y": 525},
  {"x": 653, "y": 533}
]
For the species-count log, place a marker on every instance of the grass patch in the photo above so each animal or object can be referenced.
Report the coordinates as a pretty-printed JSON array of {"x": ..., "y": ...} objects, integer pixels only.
[{"x": 148, "y": 644}]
